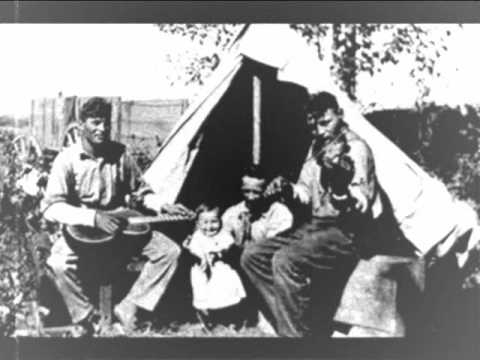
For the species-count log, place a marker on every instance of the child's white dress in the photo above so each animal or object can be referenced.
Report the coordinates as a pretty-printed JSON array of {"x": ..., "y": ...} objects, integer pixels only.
[{"x": 223, "y": 287}]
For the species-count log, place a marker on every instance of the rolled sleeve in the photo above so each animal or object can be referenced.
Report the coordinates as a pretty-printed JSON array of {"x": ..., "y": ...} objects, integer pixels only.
[
  {"x": 302, "y": 189},
  {"x": 364, "y": 175},
  {"x": 70, "y": 215},
  {"x": 277, "y": 220},
  {"x": 282, "y": 220}
]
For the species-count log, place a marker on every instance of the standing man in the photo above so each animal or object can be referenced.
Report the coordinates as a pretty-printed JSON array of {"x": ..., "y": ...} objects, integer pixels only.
[
  {"x": 301, "y": 274},
  {"x": 88, "y": 179}
]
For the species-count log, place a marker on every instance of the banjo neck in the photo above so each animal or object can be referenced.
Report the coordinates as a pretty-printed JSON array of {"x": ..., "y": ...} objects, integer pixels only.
[
  {"x": 138, "y": 220},
  {"x": 137, "y": 225}
]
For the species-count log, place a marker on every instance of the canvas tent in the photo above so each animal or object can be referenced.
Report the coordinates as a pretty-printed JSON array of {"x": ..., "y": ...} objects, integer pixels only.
[{"x": 268, "y": 74}]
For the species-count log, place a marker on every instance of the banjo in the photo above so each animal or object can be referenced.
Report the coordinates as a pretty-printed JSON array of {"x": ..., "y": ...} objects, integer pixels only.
[{"x": 138, "y": 226}]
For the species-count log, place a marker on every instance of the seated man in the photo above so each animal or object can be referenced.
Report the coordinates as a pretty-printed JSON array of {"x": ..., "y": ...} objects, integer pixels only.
[
  {"x": 253, "y": 220},
  {"x": 256, "y": 218},
  {"x": 88, "y": 179},
  {"x": 301, "y": 274}
]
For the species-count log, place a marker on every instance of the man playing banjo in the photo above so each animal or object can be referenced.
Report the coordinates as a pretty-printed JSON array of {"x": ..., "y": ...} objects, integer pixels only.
[{"x": 87, "y": 181}]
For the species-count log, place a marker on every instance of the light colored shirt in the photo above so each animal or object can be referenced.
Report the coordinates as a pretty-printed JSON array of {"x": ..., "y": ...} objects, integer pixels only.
[
  {"x": 271, "y": 223},
  {"x": 80, "y": 183},
  {"x": 309, "y": 190}
]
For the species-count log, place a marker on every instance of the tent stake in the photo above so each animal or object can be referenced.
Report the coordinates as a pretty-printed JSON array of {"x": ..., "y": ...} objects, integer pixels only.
[{"x": 256, "y": 120}]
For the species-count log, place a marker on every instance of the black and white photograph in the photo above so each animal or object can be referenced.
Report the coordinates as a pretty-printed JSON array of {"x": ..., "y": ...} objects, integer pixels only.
[{"x": 239, "y": 180}]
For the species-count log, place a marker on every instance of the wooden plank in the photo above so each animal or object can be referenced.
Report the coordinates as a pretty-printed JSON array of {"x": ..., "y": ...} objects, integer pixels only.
[
  {"x": 32, "y": 118},
  {"x": 256, "y": 120},
  {"x": 105, "y": 304},
  {"x": 44, "y": 122},
  {"x": 78, "y": 104},
  {"x": 127, "y": 117},
  {"x": 53, "y": 124},
  {"x": 116, "y": 118}
]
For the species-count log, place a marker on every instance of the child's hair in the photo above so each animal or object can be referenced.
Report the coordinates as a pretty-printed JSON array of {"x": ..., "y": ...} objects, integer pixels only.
[{"x": 205, "y": 207}]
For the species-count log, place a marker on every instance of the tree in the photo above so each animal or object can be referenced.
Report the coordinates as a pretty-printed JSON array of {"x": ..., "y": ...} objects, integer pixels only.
[
  {"x": 214, "y": 37},
  {"x": 353, "y": 48},
  {"x": 358, "y": 48}
]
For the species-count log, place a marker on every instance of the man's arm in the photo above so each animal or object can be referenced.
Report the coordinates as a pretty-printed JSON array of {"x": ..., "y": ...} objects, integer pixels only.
[
  {"x": 70, "y": 215},
  {"x": 234, "y": 223},
  {"x": 301, "y": 191},
  {"x": 363, "y": 185},
  {"x": 279, "y": 220},
  {"x": 228, "y": 221}
]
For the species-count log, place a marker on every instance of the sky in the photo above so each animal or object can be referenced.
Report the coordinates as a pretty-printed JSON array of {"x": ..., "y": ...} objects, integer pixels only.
[
  {"x": 130, "y": 60},
  {"x": 99, "y": 59}
]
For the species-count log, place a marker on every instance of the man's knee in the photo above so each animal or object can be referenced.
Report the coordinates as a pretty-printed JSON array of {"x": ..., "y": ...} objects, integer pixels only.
[
  {"x": 170, "y": 252},
  {"x": 174, "y": 252},
  {"x": 283, "y": 262},
  {"x": 248, "y": 254},
  {"x": 162, "y": 247}
]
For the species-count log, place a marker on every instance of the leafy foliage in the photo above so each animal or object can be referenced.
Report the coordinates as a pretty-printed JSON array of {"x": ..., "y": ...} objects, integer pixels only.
[
  {"x": 457, "y": 164},
  {"x": 142, "y": 152},
  {"x": 17, "y": 268},
  {"x": 353, "y": 48},
  {"x": 444, "y": 141},
  {"x": 366, "y": 48},
  {"x": 214, "y": 39}
]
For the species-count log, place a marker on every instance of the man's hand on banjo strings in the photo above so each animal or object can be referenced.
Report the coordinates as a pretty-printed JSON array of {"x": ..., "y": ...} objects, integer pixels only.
[
  {"x": 176, "y": 209},
  {"x": 109, "y": 223}
]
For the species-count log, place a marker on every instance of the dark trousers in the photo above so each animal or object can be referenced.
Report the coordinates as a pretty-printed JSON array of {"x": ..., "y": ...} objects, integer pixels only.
[{"x": 301, "y": 275}]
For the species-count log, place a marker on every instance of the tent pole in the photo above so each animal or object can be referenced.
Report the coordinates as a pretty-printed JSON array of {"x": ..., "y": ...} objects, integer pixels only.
[{"x": 256, "y": 120}]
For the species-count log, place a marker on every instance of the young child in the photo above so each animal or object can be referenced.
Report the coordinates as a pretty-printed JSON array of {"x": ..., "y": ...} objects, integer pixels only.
[{"x": 217, "y": 288}]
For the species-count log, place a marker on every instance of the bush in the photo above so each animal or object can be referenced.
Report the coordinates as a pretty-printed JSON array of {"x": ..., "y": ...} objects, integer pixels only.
[
  {"x": 444, "y": 141},
  {"x": 17, "y": 270}
]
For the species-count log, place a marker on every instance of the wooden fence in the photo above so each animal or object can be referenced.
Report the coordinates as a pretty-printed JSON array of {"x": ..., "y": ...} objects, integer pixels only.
[{"x": 146, "y": 120}]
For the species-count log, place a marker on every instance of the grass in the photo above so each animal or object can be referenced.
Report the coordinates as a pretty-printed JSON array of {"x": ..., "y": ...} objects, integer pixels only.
[{"x": 187, "y": 330}]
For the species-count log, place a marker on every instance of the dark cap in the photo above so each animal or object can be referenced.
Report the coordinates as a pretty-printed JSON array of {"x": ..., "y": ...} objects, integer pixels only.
[{"x": 96, "y": 107}]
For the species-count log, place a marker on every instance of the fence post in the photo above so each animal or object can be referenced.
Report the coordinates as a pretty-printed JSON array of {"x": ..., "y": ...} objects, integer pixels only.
[{"x": 31, "y": 125}]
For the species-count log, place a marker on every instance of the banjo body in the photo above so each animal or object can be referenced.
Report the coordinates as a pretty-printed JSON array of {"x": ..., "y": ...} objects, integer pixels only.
[{"x": 138, "y": 228}]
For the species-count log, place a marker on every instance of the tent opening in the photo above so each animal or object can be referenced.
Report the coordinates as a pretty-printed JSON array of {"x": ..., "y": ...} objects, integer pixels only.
[{"x": 225, "y": 150}]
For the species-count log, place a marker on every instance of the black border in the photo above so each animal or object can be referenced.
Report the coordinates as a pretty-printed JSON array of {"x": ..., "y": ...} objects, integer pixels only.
[
  {"x": 239, "y": 12},
  {"x": 239, "y": 348}
]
